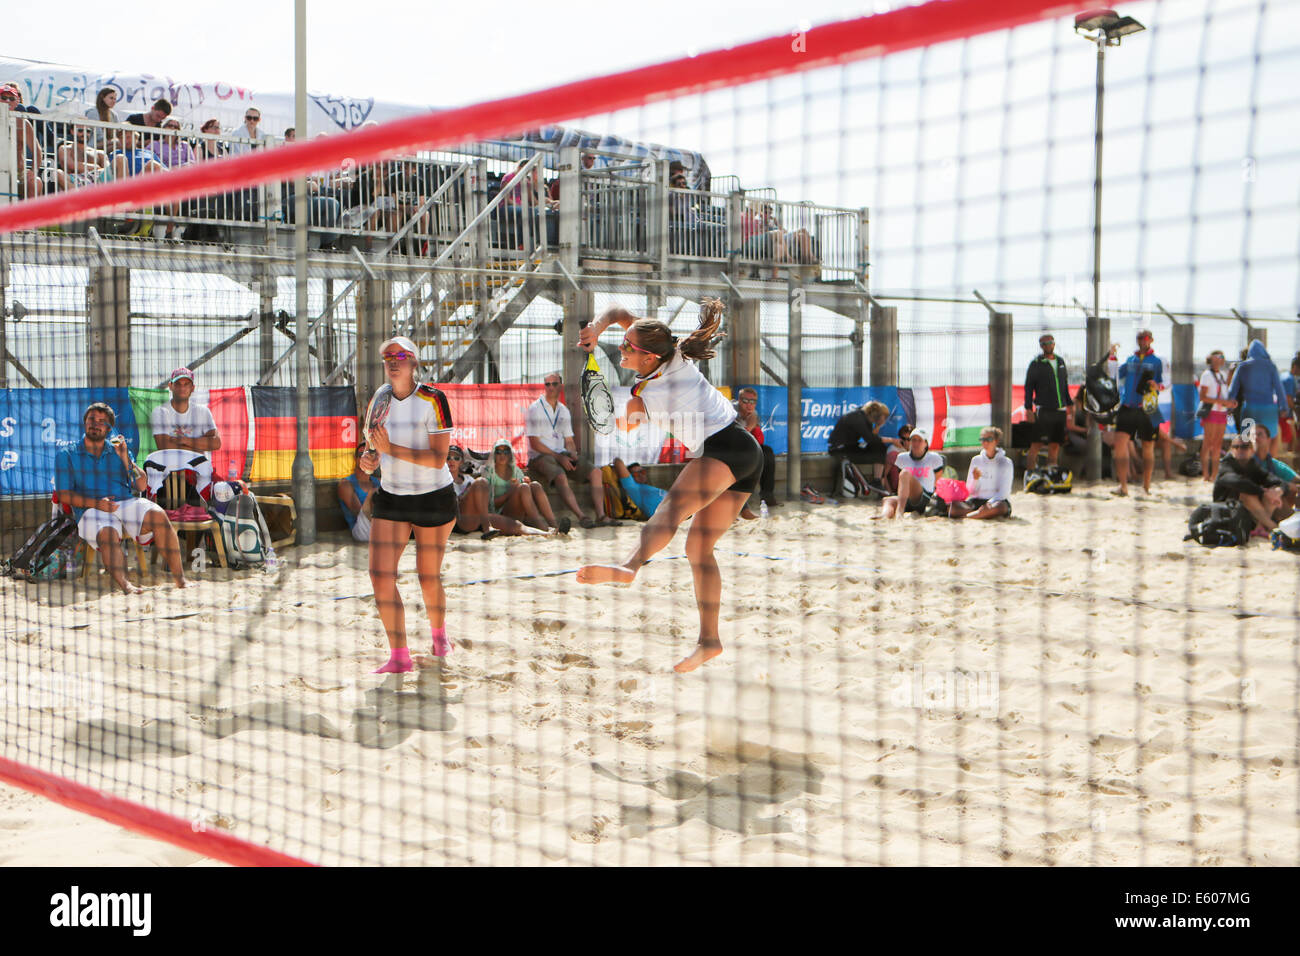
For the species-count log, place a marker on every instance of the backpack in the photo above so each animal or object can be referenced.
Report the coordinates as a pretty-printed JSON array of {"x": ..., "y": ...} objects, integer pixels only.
[
  {"x": 1050, "y": 480},
  {"x": 617, "y": 503},
  {"x": 1101, "y": 395},
  {"x": 37, "y": 552},
  {"x": 851, "y": 482},
  {"x": 1190, "y": 468},
  {"x": 244, "y": 534},
  {"x": 1220, "y": 524}
]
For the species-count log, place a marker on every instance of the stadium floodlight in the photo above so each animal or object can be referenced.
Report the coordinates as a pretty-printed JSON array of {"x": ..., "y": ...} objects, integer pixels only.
[{"x": 1103, "y": 27}]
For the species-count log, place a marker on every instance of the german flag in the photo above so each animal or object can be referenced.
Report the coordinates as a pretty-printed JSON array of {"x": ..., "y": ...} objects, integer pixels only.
[{"x": 331, "y": 431}]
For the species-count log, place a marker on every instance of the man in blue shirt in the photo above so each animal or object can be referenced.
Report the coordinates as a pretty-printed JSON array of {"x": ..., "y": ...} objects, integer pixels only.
[
  {"x": 1140, "y": 377},
  {"x": 98, "y": 480},
  {"x": 634, "y": 481},
  {"x": 1278, "y": 469}
]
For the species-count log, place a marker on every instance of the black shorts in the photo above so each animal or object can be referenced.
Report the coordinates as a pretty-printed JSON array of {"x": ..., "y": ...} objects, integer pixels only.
[
  {"x": 1048, "y": 426},
  {"x": 431, "y": 510},
  {"x": 977, "y": 503},
  {"x": 921, "y": 504},
  {"x": 739, "y": 451},
  {"x": 1135, "y": 423}
]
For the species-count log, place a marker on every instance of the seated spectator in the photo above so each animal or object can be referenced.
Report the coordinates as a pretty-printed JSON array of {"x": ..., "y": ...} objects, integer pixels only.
[
  {"x": 552, "y": 453},
  {"x": 103, "y": 111},
  {"x": 635, "y": 482},
  {"x": 1277, "y": 468},
  {"x": 180, "y": 423},
  {"x": 206, "y": 147},
  {"x": 152, "y": 118},
  {"x": 511, "y": 493},
  {"x": 553, "y": 190},
  {"x": 765, "y": 238},
  {"x": 131, "y": 160},
  {"x": 80, "y": 161},
  {"x": 355, "y": 500},
  {"x": 856, "y": 438},
  {"x": 747, "y": 414},
  {"x": 97, "y": 479},
  {"x": 988, "y": 481},
  {"x": 32, "y": 180},
  {"x": 1242, "y": 478},
  {"x": 251, "y": 132},
  {"x": 473, "y": 509},
  {"x": 917, "y": 467},
  {"x": 169, "y": 148},
  {"x": 891, "y": 469}
]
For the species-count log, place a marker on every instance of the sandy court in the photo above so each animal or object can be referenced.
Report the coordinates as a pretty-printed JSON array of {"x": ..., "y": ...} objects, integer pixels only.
[{"x": 1074, "y": 685}]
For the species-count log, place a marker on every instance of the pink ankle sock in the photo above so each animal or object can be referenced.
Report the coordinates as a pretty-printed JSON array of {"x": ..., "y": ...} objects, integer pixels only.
[
  {"x": 441, "y": 646},
  {"x": 399, "y": 662}
]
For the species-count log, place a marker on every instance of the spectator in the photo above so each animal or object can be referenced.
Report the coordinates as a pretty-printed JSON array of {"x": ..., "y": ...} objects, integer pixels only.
[
  {"x": 96, "y": 478},
  {"x": 917, "y": 469},
  {"x": 1141, "y": 376},
  {"x": 153, "y": 117},
  {"x": 208, "y": 148},
  {"x": 747, "y": 415},
  {"x": 1242, "y": 478},
  {"x": 290, "y": 135},
  {"x": 511, "y": 493},
  {"x": 1289, "y": 427},
  {"x": 1047, "y": 401},
  {"x": 355, "y": 500},
  {"x": 552, "y": 453},
  {"x": 891, "y": 454},
  {"x": 103, "y": 111},
  {"x": 80, "y": 160},
  {"x": 856, "y": 438},
  {"x": 1257, "y": 388},
  {"x": 988, "y": 481},
  {"x": 250, "y": 133},
  {"x": 32, "y": 181},
  {"x": 553, "y": 190},
  {"x": 474, "y": 509},
  {"x": 131, "y": 160},
  {"x": 180, "y": 423},
  {"x": 1278, "y": 469},
  {"x": 766, "y": 240},
  {"x": 170, "y": 148},
  {"x": 1215, "y": 404},
  {"x": 635, "y": 482}
]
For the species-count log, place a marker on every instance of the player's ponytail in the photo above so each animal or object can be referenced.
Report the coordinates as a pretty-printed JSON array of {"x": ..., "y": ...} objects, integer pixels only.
[{"x": 698, "y": 345}]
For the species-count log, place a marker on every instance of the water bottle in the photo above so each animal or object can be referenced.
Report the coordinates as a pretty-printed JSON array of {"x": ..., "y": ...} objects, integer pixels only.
[
  {"x": 762, "y": 509},
  {"x": 70, "y": 563},
  {"x": 272, "y": 562}
]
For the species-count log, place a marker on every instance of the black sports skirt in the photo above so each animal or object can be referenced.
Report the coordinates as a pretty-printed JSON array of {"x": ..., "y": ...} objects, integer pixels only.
[
  {"x": 739, "y": 451},
  {"x": 431, "y": 510}
]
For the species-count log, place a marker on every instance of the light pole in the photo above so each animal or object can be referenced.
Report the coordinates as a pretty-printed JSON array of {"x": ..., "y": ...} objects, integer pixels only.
[{"x": 1105, "y": 28}]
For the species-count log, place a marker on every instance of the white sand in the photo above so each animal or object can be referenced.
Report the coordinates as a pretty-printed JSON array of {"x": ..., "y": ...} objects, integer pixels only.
[{"x": 1098, "y": 730}]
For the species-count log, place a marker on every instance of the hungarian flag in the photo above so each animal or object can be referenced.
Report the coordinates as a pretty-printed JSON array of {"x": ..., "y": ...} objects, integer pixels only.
[
  {"x": 331, "y": 431},
  {"x": 229, "y": 407}
]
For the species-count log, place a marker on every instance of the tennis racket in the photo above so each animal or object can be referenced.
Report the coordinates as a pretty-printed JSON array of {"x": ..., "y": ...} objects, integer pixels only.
[
  {"x": 596, "y": 398},
  {"x": 377, "y": 413}
]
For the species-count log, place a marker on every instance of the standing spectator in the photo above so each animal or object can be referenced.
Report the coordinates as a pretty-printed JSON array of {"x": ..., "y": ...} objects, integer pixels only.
[
  {"x": 98, "y": 480},
  {"x": 856, "y": 437},
  {"x": 251, "y": 130},
  {"x": 988, "y": 481},
  {"x": 1257, "y": 388},
  {"x": 1047, "y": 401},
  {"x": 180, "y": 423},
  {"x": 1141, "y": 376},
  {"x": 552, "y": 453},
  {"x": 416, "y": 498},
  {"x": 747, "y": 415},
  {"x": 1289, "y": 427},
  {"x": 103, "y": 111},
  {"x": 917, "y": 470},
  {"x": 1214, "y": 393}
]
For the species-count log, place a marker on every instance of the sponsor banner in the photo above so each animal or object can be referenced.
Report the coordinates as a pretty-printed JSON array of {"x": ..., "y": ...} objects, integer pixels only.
[{"x": 822, "y": 408}]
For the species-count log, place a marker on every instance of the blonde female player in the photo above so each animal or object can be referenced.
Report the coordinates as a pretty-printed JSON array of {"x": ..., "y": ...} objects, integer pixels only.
[
  {"x": 417, "y": 495},
  {"x": 725, "y": 462}
]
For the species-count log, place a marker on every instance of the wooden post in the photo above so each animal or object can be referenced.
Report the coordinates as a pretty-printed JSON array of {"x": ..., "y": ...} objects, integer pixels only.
[
  {"x": 746, "y": 346},
  {"x": 570, "y": 173},
  {"x": 108, "y": 330},
  {"x": 1001, "y": 374},
  {"x": 884, "y": 345},
  {"x": 794, "y": 390},
  {"x": 579, "y": 309},
  {"x": 861, "y": 322},
  {"x": 265, "y": 289},
  {"x": 374, "y": 305}
]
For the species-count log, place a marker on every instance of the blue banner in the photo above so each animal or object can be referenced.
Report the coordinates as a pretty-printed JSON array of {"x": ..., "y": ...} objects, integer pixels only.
[
  {"x": 822, "y": 408},
  {"x": 35, "y": 422}
]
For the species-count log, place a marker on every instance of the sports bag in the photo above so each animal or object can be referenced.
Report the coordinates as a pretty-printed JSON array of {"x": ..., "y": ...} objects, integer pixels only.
[
  {"x": 1220, "y": 524},
  {"x": 44, "y": 542},
  {"x": 244, "y": 534}
]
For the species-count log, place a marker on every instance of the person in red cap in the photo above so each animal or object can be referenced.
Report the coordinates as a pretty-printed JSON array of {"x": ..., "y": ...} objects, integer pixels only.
[{"x": 180, "y": 423}]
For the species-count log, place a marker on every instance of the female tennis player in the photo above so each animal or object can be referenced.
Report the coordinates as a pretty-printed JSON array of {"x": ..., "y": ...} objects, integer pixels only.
[
  {"x": 725, "y": 461},
  {"x": 417, "y": 495}
]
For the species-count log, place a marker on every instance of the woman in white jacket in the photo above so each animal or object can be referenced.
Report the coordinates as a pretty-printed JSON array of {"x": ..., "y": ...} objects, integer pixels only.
[{"x": 988, "y": 481}]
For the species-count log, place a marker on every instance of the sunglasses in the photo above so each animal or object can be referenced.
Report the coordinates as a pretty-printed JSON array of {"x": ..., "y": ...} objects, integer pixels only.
[
  {"x": 748, "y": 401},
  {"x": 983, "y": 440},
  {"x": 626, "y": 346},
  {"x": 503, "y": 451},
  {"x": 9, "y": 97},
  {"x": 455, "y": 458},
  {"x": 253, "y": 118},
  {"x": 397, "y": 356},
  {"x": 552, "y": 384}
]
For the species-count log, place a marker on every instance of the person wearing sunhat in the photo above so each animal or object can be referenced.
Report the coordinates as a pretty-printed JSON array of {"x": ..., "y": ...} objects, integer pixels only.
[{"x": 181, "y": 423}]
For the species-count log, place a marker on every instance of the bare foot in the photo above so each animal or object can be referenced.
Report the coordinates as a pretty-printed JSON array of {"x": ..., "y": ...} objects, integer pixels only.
[
  {"x": 181, "y": 582},
  {"x": 129, "y": 588},
  {"x": 702, "y": 654},
  {"x": 605, "y": 574}
]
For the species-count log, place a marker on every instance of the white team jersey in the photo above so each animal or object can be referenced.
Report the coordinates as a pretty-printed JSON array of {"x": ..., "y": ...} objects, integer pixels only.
[
  {"x": 678, "y": 399},
  {"x": 410, "y": 422}
]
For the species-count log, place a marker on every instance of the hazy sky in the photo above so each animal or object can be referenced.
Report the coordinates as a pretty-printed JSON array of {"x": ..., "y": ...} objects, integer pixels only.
[{"x": 975, "y": 158}]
